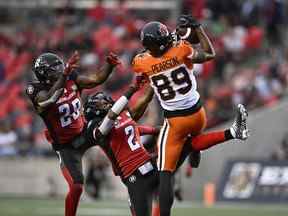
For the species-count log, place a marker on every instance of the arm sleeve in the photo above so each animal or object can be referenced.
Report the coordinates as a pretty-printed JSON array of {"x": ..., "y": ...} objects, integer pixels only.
[
  {"x": 105, "y": 126},
  {"x": 117, "y": 108}
]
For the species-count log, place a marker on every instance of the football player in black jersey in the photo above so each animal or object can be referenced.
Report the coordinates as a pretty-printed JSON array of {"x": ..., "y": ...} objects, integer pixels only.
[{"x": 56, "y": 98}]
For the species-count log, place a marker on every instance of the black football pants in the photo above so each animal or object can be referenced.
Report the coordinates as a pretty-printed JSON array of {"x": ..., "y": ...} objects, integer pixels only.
[
  {"x": 70, "y": 157},
  {"x": 140, "y": 188}
]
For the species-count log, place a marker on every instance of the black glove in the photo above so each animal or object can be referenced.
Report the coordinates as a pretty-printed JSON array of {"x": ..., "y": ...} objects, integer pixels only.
[{"x": 187, "y": 21}]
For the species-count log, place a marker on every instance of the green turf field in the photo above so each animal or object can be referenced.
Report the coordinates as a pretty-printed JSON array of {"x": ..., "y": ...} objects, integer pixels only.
[{"x": 42, "y": 207}]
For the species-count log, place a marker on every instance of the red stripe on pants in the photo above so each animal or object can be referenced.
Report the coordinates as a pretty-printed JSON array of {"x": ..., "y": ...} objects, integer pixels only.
[{"x": 74, "y": 194}]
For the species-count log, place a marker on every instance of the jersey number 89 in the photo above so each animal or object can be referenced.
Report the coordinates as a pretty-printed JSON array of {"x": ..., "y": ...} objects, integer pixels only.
[{"x": 164, "y": 87}]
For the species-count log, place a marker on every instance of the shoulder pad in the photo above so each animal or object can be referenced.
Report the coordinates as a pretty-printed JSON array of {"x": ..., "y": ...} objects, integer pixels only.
[
  {"x": 137, "y": 58},
  {"x": 137, "y": 61}
]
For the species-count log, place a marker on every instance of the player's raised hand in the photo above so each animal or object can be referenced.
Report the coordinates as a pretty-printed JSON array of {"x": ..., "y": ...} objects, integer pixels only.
[
  {"x": 113, "y": 59},
  {"x": 72, "y": 63},
  {"x": 187, "y": 21}
]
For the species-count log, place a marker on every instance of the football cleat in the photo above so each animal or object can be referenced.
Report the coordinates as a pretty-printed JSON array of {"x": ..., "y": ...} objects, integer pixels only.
[{"x": 239, "y": 129}]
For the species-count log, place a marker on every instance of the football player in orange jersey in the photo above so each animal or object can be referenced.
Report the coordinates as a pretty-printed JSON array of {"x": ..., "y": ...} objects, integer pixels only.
[{"x": 168, "y": 65}]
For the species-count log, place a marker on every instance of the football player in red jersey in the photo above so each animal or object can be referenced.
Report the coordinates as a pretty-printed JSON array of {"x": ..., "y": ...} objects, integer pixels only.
[
  {"x": 113, "y": 128},
  {"x": 56, "y": 98}
]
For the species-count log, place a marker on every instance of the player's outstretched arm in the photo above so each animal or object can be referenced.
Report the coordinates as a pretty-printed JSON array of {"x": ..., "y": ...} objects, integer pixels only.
[
  {"x": 116, "y": 109},
  {"x": 206, "y": 51},
  {"x": 45, "y": 98},
  {"x": 94, "y": 79},
  {"x": 141, "y": 105}
]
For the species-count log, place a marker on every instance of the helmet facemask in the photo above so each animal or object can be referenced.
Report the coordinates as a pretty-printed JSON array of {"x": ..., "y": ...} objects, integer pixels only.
[
  {"x": 48, "y": 67},
  {"x": 97, "y": 106}
]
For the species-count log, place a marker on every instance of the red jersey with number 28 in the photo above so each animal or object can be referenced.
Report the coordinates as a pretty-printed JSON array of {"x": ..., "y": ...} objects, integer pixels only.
[
  {"x": 124, "y": 147},
  {"x": 64, "y": 119}
]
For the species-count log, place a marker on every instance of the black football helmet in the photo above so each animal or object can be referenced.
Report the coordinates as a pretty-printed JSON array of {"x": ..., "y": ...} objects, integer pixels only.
[
  {"x": 48, "y": 67},
  {"x": 156, "y": 38},
  {"x": 97, "y": 106}
]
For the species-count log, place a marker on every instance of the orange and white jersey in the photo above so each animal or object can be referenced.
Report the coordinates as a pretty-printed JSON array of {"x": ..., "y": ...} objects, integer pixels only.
[{"x": 171, "y": 76}]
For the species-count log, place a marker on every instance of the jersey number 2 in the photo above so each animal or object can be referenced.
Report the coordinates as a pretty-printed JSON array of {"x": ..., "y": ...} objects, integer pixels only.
[
  {"x": 129, "y": 131},
  {"x": 69, "y": 113}
]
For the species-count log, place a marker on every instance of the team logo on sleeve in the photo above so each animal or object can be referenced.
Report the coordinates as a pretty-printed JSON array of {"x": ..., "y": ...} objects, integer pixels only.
[{"x": 30, "y": 89}]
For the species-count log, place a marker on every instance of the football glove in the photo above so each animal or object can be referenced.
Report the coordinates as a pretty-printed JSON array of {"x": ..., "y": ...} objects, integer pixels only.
[
  {"x": 187, "y": 21},
  {"x": 113, "y": 59},
  {"x": 72, "y": 63}
]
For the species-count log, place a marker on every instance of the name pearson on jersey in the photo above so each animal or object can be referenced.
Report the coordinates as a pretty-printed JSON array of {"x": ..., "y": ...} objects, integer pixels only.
[{"x": 165, "y": 65}]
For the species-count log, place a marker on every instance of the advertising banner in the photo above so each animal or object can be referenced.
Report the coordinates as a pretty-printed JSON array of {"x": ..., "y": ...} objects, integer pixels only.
[{"x": 254, "y": 180}]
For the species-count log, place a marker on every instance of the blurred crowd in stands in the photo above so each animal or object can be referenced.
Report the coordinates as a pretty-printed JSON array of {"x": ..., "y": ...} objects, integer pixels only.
[{"x": 251, "y": 66}]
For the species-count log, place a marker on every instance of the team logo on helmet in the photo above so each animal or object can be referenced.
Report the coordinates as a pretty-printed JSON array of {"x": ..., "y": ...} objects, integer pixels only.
[{"x": 163, "y": 30}]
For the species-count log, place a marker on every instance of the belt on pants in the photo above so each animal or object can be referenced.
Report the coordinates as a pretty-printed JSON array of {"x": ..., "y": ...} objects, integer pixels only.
[{"x": 146, "y": 168}]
